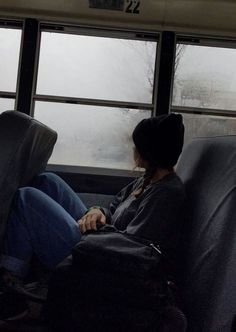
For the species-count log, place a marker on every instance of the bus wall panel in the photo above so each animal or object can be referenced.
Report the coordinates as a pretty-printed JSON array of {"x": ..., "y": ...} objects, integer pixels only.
[{"x": 200, "y": 16}]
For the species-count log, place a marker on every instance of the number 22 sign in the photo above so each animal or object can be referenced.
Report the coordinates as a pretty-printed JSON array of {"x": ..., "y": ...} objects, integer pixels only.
[{"x": 133, "y": 7}]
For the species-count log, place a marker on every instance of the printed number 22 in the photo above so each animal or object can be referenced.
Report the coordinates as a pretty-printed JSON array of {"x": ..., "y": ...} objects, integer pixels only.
[{"x": 133, "y": 7}]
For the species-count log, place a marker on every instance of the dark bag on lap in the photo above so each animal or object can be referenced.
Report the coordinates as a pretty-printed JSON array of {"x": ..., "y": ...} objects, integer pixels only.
[{"x": 112, "y": 282}]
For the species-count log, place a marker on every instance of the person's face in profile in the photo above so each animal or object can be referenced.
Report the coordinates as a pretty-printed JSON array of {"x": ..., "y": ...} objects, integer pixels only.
[{"x": 138, "y": 160}]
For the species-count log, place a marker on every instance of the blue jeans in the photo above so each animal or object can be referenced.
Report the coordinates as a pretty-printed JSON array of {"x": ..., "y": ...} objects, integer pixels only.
[{"x": 42, "y": 222}]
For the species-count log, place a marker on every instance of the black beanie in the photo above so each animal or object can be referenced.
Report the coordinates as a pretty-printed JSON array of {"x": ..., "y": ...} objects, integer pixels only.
[{"x": 159, "y": 140}]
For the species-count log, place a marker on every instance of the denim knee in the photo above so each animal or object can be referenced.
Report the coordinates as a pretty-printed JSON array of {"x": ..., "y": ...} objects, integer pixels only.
[
  {"x": 26, "y": 195},
  {"x": 47, "y": 177}
]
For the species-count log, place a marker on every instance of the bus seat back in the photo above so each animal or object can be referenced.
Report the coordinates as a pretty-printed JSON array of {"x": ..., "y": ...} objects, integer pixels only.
[
  {"x": 91, "y": 199},
  {"x": 25, "y": 147},
  {"x": 208, "y": 169}
]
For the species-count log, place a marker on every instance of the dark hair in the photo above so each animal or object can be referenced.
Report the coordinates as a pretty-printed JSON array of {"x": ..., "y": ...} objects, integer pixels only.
[{"x": 159, "y": 141}]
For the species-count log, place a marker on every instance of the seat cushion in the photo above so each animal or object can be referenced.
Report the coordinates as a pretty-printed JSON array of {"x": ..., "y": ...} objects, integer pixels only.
[{"x": 90, "y": 199}]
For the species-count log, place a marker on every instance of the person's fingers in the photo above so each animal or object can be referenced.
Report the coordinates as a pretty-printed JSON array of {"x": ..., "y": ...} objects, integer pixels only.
[
  {"x": 88, "y": 223},
  {"x": 93, "y": 222},
  {"x": 103, "y": 219},
  {"x": 82, "y": 227}
]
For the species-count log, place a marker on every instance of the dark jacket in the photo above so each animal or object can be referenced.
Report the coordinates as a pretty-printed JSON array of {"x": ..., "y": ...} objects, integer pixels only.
[{"x": 157, "y": 214}]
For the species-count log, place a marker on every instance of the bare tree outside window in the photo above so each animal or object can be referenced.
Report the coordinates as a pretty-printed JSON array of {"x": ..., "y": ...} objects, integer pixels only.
[
  {"x": 180, "y": 48},
  {"x": 206, "y": 79}
]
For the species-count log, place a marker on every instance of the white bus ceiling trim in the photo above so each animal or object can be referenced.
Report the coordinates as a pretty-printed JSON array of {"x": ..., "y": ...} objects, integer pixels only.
[{"x": 205, "y": 16}]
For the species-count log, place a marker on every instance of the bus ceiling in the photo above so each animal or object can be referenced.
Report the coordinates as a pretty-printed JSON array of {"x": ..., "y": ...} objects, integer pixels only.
[{"x": 188, "y": 16}]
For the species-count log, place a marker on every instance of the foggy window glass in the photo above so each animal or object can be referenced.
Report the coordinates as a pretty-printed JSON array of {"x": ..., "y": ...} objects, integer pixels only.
[
  {"x": 6, "y": 104},
  {"x": 207, "y": 125},
  {"x": 205, "y": 77},
  {"x": 96, "y": 67},
  {"x": 91, "y": 135},
  {"x": 10, "y": 40}
]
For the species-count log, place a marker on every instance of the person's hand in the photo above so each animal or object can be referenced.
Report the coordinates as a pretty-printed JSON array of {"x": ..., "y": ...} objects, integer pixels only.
[{"x": 90, "y": 220}]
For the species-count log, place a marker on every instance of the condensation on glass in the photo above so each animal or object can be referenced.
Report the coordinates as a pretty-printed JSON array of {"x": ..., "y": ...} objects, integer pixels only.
[
  {"x": 6, "y": 104},
  {"x": 91, "y": 135},
  {"x": 96, "y": 67},
  {"x": 207, "y": 126},
  {"x": 10, "y": 40},
  {"x": 205, "y": 77}
]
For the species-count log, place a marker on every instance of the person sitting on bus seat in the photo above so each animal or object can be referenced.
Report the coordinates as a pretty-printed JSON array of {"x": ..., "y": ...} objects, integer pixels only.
[{"x": 48, "y": 218}]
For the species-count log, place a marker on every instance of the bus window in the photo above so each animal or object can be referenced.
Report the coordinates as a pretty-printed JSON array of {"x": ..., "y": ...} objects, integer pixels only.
[
  {"x": 205, "y": 83},
  {"x": 7, "y": 104},
  {"x": 10, "y": 40},
  {"x": 197, "y": 125},
  {"x": 93, "y": 135},
  {"x": 206, "y": 78},
  {"x": 100, "y": 87},
  {"x": 96, "y": 67}
]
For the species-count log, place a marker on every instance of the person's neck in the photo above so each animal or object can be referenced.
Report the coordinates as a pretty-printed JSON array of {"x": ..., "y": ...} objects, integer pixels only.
[{"x": 160, "y": 174}]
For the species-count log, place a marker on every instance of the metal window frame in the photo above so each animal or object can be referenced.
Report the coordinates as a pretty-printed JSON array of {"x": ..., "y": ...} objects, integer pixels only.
[
  {"x": 11, "y": 23},
  {"x": 95, "y": 102},
  {"x": 166, "y": 71},
  {"x": 7, "y": 95},
  {"x": 203, "y": 111},
  {"x": 27, "y": 65},
  {"x": 100, "y": 31},
  {"x": 202, "y": 40}
]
